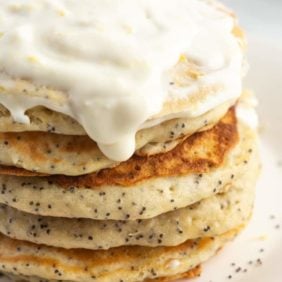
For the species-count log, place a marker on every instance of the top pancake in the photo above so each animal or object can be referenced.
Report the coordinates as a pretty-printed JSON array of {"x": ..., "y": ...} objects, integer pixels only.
[{"x": 42, "y": 119}]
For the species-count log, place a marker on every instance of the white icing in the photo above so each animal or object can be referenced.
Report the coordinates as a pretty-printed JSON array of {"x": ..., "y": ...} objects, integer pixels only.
[{"x": 113, "y": 60}]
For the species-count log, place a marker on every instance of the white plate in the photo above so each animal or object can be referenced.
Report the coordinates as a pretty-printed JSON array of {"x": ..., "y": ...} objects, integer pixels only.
[{"x": 259, "y": 249}]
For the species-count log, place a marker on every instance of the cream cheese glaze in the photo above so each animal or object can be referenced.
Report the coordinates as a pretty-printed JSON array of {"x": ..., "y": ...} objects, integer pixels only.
[{"x": 115, "y": 59}]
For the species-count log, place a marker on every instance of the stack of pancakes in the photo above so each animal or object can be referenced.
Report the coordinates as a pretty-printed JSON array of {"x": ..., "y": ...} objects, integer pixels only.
[
  {"x": 155, "y": 215},
  {"x": 69, "y": 213}
]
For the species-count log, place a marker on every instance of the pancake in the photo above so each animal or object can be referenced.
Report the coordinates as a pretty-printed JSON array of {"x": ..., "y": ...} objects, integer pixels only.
[
  {"x": 118, "y": 264},
  {"x": 45, "y": 120},
  {"x": 193, "y": 273},
  {"x": 75, "y": 155},
  {"x": 200, "y": 153},
  {"x": 209, "y": 217},
  {"x": 41, "y": 119},
  {"x": 144, "y": 199}
]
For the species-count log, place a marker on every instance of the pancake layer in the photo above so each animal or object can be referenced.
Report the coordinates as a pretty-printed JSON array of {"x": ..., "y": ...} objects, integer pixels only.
[
  {"x": 75, "y": 155},
  {"x": 187, "y": 275},
  {"x": 129, "y": 264}
]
